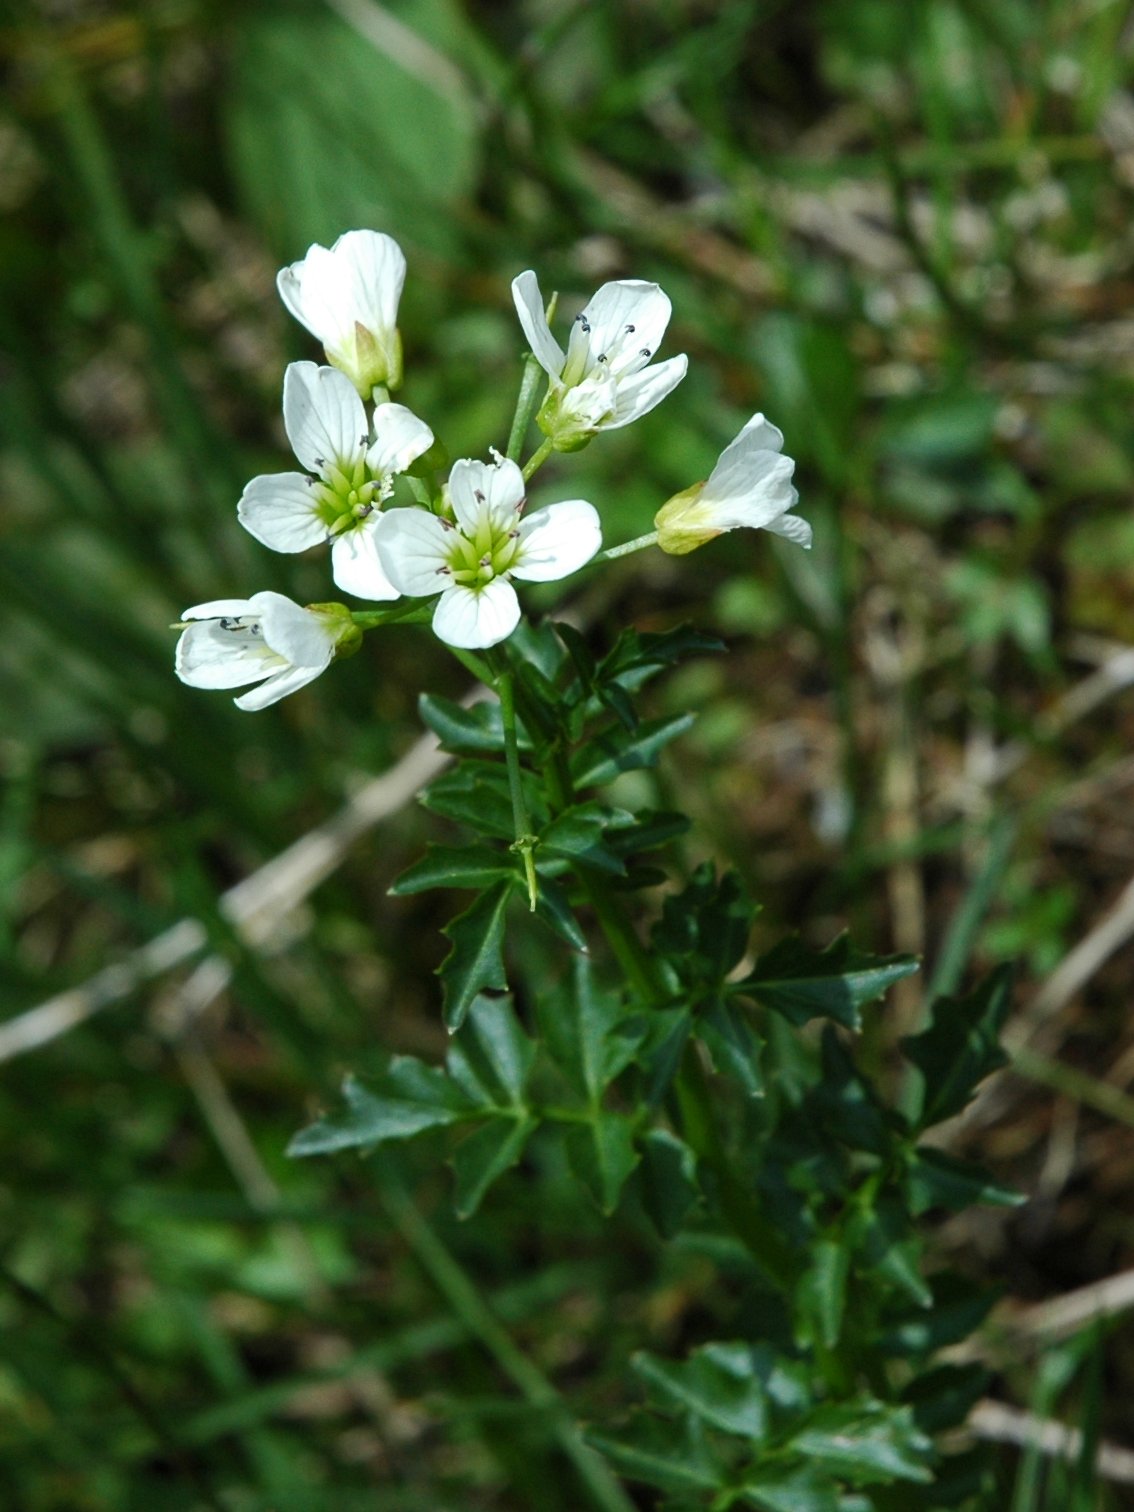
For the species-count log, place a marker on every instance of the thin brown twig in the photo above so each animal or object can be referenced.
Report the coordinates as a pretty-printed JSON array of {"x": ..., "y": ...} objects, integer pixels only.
[{"x": 1001, "y": 1424}]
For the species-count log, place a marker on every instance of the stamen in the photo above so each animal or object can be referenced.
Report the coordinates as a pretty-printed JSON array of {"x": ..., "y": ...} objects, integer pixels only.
[
  {"x": 629, "y": 330},
  {"x": 645, "y": 352}
]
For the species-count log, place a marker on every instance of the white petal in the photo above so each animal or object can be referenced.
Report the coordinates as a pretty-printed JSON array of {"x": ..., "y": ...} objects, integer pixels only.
[
  {"x": 209, "y": 657},
  {"x": 400, "y": 438},
  {"x": 529, "y": 307},
  {"x": 627, "y": 320},
  {"x": 473, "y": 620},
  {"x": 284, "y": 682},
  {"x": 640, "y": 392},
  {"x": 216, "y": 608},
  {"x": 355, "y": 564},
  {"x": 557, "y": 540},
  {"x": 300, "y": 637},
  {"x": 375, "y": 269},
  {"x": 792, "y": 527},
  {"x": 412, "y": 548},
  {"x": 754, "y": 456},
  {"x": 323, "y": 416},
  {"x": 315, "y": 292},
  {"x": 480, "y": 488},
  {"x": 279, "y": 510}
]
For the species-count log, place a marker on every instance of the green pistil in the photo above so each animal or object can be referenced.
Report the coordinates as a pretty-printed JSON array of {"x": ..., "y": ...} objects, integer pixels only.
[
  {"x": 346, "y": 494},
  {"x": 474, "y": 562}
]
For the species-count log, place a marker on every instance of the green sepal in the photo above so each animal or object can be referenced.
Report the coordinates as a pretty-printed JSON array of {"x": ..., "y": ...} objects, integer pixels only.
[
  {"x": 960, "y": 1048},
  {"x": 476, "y": 960},
  {"x": 835, "y": 983},
  {"x": 405, "y": 1100}
]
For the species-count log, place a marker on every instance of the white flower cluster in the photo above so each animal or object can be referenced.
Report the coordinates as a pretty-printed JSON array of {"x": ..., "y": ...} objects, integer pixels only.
[{"x": 461, "y": 544}]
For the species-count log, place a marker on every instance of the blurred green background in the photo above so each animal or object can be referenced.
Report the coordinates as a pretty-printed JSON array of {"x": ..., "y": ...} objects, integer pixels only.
[{"x": 904, "y": 232}]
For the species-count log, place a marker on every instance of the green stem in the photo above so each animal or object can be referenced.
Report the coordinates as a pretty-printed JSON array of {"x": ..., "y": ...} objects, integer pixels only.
[
  {"x": 525, "y": 841},
  {"x": 526, "y": 403},
  {"x": 639, "y": 543},
  {"x": 538, "y": 457},
  {"x": 411, "y": 612},
  {"x": 380, "y": 394},
  {"x": 468, "y": 1305}
]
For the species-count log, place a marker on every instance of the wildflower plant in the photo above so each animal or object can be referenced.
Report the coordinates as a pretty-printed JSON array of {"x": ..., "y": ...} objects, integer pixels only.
[{"x": 714, "y": 1089}]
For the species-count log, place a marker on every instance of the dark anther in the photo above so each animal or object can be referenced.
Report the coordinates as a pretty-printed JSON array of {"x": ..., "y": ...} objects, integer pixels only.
[
  {"x": 320, "y": 462},
  {"x": 478, "y": 496},
  {"x": 645, "y": 352},
  {"x": 602, "y": 357},
  {"x": 629, "y": 330}
]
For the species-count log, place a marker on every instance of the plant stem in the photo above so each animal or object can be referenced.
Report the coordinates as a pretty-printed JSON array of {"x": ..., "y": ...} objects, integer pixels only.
[
  {"x": 468, "y": 1305},
  {"x": 525, "y": 841},
  {"x": 639, "y": 543},
  {"x": 538, "y": 457},
  {"x": 411, "y": 612},
  {"x": 526, "y": 403}
]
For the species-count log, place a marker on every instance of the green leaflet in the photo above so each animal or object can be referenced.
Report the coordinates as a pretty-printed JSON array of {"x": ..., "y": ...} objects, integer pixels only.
[{"x": 475, "y": 960}]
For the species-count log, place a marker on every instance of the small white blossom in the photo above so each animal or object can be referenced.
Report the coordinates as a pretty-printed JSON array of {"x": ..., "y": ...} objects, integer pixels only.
[
  {"x": 750, "y": 485},
  {"x": 347, "y": 296},
  {"x": 602, "y": 381},
  {"x": 351, "y": 476},
  {"x": 470, "y": 559},
  {"x": 266, "y": 639}
]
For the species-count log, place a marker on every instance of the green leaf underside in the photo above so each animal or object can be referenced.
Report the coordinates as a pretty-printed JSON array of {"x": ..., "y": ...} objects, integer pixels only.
[
  {"x": 803, "y": 984},
  {"x": 475, "y": 961},
  {"x": 408, "y": 1098}
]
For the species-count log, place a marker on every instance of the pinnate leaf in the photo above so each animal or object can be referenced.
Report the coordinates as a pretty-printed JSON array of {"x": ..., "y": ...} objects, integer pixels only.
[
  {"x": 960, "y": 1048},
  {"x": 406, "y": 1099},
  {"x": 803, "y": 984},
  {"x": 476, "y": 960}
]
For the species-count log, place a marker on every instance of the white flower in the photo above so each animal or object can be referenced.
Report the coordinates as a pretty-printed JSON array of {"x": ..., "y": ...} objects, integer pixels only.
[
  {"x": 750, "y": 485},
  {"x": 601, "y": 382},
  {"x": 265, "y": 639},
  {"x": 470, "y": 560},
  {"x": 348, "y": 297},
  {"x": 326, "y": 425}
]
